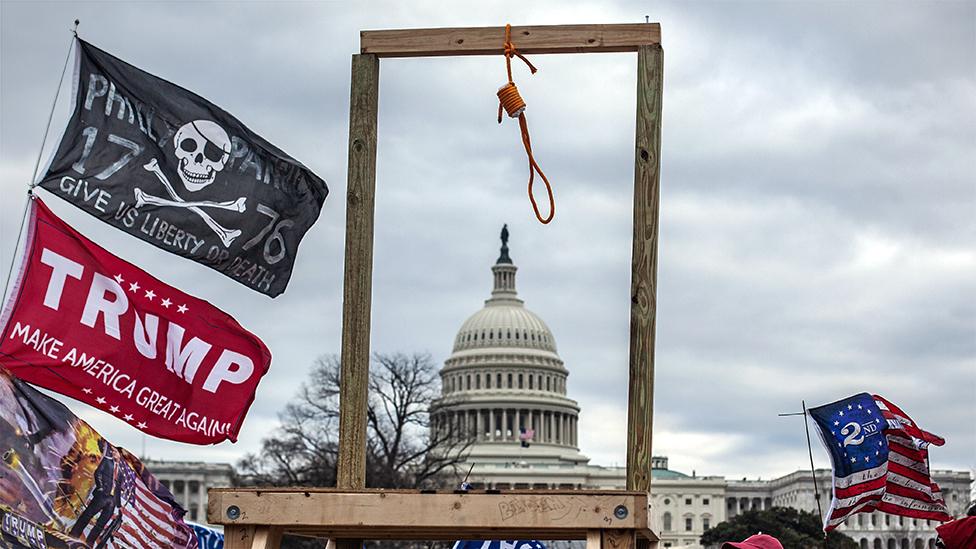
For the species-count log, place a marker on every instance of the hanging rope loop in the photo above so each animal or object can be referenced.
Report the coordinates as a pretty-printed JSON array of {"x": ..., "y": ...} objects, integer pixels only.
[
  {"x": 509, "y": 98},
  {"x": 512, "y": 103}
]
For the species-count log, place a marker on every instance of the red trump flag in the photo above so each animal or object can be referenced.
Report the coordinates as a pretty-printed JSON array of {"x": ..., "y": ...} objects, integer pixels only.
[{"x": 91, "y": 326}]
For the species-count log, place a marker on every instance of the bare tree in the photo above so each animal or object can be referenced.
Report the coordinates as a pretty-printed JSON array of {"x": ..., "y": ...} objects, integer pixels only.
[
  {"x": 402, "y": 449},
  {"x": 304, "y": 448}
]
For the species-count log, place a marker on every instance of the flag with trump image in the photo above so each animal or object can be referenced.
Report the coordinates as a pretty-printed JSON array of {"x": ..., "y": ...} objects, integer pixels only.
[
  {"x": 880, "y": 460},
  {"x": 64, "y": 486}
]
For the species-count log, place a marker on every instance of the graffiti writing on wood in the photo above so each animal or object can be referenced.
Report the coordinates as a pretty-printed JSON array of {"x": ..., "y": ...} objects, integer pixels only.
[{"x": 516, "y": 506}]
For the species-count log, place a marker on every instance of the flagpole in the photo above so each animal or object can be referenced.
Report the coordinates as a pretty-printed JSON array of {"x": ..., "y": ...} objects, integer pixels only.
[
  {"x": 13, "y": 258},
  {"x": 54, "y": 104},
  {"x": 813, "y": 472}
]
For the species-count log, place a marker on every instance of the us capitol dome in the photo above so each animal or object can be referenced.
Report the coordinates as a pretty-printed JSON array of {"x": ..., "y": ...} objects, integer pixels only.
[
  {"x": 504, "y": 386},
  {"x": 505, "y": 375}
]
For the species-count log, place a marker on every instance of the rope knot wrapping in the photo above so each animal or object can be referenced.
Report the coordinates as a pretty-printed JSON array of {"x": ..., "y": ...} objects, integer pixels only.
[
  {"x": 511, "y": 101},
  {"x": 509, "y": 98}
]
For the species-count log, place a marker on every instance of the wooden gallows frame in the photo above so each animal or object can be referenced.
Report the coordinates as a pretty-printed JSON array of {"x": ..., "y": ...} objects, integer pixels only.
[{"x": 257, "y": 518}]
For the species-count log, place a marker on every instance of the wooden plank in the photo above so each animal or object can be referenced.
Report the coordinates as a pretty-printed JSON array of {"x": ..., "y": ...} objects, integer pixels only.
[
  {"x": 406, "y": 515},
  {"x": 261, "y": 535},
  {"x": 358, "y": 279},
  {"x": 434, "y": 534},
  {"x": 528, "y": 40},
  {"x": 647, "y": 536},
  {"x": 214, "y": 492},
  {"x": 357, "y": 286},
  {"x": 618, "y": 539},
  {"x": 266, "y": 537},
  {"x": 593, "y": 539},
  {"x": 643, "y": 292},
  {"x": 238, "y": 536}
]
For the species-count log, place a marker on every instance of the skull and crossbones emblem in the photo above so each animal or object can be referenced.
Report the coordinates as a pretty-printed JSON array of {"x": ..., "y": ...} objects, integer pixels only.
[{"x": 202, "y": 149}]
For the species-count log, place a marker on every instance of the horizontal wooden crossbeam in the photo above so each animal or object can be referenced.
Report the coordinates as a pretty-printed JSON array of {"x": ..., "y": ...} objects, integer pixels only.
[
  {"x": 528, "y": 40},
  {"x": 411, "y": 515}
]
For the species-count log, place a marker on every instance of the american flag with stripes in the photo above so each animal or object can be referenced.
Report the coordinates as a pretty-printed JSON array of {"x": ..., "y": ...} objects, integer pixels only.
[
  {"x": 880, "y": 460},
  {"x": 60, "y": 475},
  {"x": 148, "y": 516}
]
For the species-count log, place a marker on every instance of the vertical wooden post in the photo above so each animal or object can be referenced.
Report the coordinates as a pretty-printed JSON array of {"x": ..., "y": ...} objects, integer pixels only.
[
  {"x": 593, "y": 539},
  {"x": 358, "y": 282},
  {"x": 618, "y": 539},
  {"x": 266, "y": 537},
  {"x": 238, "y": 536},
  {"x": 643, "y": 287}
]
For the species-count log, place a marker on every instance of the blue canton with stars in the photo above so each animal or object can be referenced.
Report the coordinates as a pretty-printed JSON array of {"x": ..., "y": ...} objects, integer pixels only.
[{"x": 853, "y": 431}]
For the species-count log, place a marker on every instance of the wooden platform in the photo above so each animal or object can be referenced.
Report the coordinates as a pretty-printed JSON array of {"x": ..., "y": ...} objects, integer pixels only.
[{"x": 255, "y": 515}]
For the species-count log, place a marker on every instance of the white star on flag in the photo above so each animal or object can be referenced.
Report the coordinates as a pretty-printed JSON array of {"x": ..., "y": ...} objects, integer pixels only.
[
  {"x": 141, "y": 425},
  {"x": 127, "y": 417},
  {"x": 134, "y": 287},
  {"x": 150, "y": 294},
  {"x": 118, "y": 278},
  {"x": 836, "y": 423},
  {"x": 86, "y": 390},
  {"x": 853, "y": 460},
  {"x": 114, "y": 409},
  {"x": 842, "y": 412},
  {"x": 867, "y": 459},
  {"x": 181, "y": 309},
  {"x": 849, "y": 407},
  {"x": 859, "y": 407},
  {"x": 100, "y": 400},
  {"x": 166, "y": 302}
]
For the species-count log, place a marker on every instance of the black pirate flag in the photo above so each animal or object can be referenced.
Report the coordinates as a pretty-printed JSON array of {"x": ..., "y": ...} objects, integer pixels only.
[{"x": 169, "y": 167}]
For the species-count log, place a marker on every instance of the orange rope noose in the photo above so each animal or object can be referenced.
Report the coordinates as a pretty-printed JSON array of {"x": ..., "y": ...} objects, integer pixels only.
[{"x": 511, "y": 101}]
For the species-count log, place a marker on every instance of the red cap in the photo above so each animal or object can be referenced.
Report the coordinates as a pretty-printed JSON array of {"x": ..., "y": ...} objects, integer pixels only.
[
  {"x": 958, "y": 534},
  {"x": 759, "y": 541}
]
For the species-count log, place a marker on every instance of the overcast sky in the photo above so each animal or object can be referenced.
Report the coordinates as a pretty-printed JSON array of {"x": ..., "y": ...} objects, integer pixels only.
[{"x": 818, "y": 217}]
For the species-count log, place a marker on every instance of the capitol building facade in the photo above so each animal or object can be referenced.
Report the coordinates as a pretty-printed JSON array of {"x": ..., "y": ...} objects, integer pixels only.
[
  {"x": 504, "y": 389},
  {"x": 504, "y": 384}
]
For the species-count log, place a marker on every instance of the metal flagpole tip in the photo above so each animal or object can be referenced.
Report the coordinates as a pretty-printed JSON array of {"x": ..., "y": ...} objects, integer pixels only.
[{"x": 75, "y": 29}]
